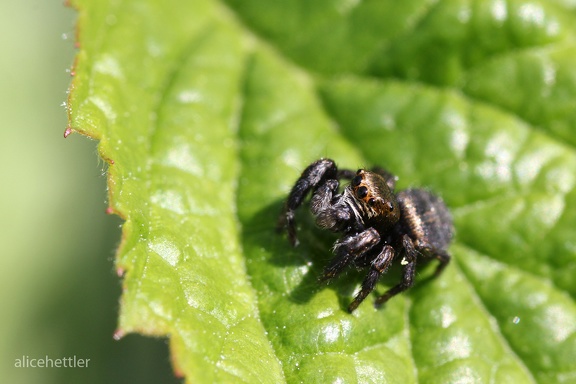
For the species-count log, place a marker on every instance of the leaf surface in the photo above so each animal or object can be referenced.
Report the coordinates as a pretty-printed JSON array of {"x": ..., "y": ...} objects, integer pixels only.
[{"x": 207, "y": 113}]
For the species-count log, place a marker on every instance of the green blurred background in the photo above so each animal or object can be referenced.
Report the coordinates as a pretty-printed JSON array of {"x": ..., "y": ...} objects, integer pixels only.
[{"x": 58, "y": 290}]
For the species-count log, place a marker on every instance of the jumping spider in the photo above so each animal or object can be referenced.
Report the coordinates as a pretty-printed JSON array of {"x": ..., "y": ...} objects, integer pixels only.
[{"x": 377, "y": 225}]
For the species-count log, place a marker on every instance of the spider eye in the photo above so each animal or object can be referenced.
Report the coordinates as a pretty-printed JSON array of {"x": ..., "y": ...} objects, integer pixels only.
[
  {"x": 390, "y": 206},
  {"x": 356, "y": 181},
  {"x": 362, "y": 192},
  {"x": 372, "y": 201}
]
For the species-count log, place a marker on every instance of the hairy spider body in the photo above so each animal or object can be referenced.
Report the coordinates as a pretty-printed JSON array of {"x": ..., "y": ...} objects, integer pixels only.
[{"x": 377, "y": 225}]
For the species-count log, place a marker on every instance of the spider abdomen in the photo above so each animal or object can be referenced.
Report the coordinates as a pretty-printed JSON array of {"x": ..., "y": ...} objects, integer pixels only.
[{"x": 425, "y": 217}]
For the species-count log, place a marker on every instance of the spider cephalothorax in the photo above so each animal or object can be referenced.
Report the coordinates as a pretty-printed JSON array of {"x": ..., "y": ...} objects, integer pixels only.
[
  {"x": 377, "y": 225},
  {"x": 378, "y": 203}
]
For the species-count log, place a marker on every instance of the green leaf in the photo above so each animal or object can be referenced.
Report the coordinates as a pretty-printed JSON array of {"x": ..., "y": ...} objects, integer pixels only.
[{"x": 207, "y": 113}]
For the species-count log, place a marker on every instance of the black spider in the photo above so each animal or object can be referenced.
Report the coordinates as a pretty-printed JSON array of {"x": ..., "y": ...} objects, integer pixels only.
[{"x": 377, "y": 224}]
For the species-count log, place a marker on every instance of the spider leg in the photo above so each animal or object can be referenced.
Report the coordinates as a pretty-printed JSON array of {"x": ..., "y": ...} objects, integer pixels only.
[
  {"x": 378, "y": 267},
  {"x": 346, "y": 174},
  {"x": 329, "y": 215},
  {"x": 313, "y": 176},
  {"x": 390, "y": 178},
  {"x": 410, "y": 256},
  {"x": 444, "y": 259},
  {"x": 430, "y": 251},
  {"x": 349, "y": 248}
]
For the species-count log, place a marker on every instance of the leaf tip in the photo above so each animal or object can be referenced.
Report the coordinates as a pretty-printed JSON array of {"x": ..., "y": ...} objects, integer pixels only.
[
  {"x": 68, "y": 131},
  {"x": 178, "y": 373},
  {"x": 118, "y": 334}
]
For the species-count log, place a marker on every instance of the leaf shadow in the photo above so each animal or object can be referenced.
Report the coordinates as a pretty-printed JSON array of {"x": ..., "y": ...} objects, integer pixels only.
[{"x": 261, "y": 239}]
